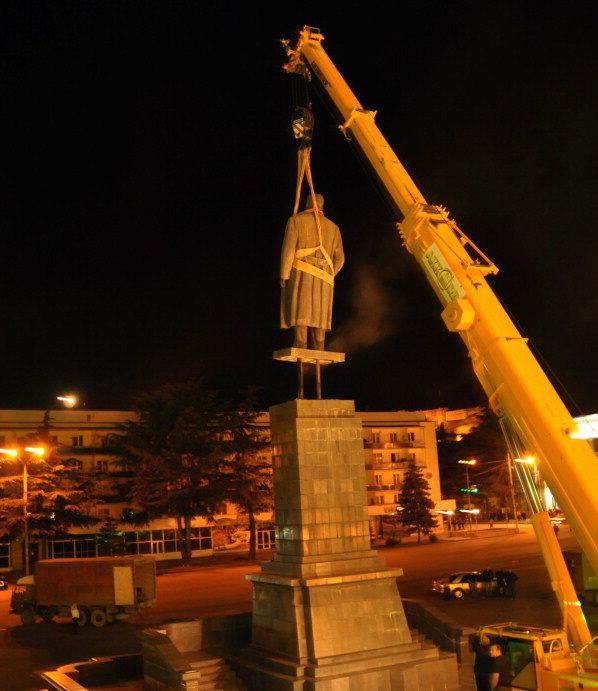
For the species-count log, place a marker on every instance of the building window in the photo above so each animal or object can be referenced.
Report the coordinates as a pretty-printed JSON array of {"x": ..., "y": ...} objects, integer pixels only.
[
  {"x": 394, "y": 457},
  {"x": 375, "y": 437},
  {"x": 201, "y": 538},
  {"x": 77, "y": 440},
  {"x": 266, "y": 539},
  {"x": 377, "y": 479},
  {"x": 410, "y": 436},
  {"x": 396, "y": 479},
  {"x": 102, "y": 466},
  {"x": 79, "y": 548},
  {"x": 378, "y": 458},
  {"x": 4, "y": 555},
  {"x": 412, "y": 457},
  {"x": 165, "y": 541},
  {"x": 397, "y": 498},
  {"x": 379, "y": 499},
  {"x": 394, "y": 437}
]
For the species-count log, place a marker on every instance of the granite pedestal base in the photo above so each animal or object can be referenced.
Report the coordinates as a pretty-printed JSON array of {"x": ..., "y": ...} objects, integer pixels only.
[{"x": 327, "y": 614}]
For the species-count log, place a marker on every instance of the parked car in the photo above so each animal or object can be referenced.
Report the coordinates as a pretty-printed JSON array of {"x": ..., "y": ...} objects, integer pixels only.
[
  {"x": 459, "y": 584},
  {"x": 3, "y": 583}
]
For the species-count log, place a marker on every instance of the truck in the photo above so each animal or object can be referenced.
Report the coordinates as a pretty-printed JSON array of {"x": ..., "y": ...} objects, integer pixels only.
[
  {"x": 535, "y": 421},
  {"x": 104, "y": 588}
]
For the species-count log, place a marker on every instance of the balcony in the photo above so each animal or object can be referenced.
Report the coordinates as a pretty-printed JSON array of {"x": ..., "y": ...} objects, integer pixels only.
[
  {"x": 390, "y": 445},
  {"x": 383, "y": 488},
  {"x": 64, "y": 450},
  {"x": 401, "y": 464}
]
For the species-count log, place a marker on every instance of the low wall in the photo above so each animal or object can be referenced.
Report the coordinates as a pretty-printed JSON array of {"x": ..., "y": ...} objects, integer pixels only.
[{"x": 443, "y": 631}]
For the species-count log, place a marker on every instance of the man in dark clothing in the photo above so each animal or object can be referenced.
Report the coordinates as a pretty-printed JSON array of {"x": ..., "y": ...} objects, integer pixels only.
[
  {"x": 482, "y": 662},
  {"x": 501, "y": 583},
  {"x": 510, "y": 579},
  {"x": 499, "y": 670},
  {"x": 487, "y": 578}
]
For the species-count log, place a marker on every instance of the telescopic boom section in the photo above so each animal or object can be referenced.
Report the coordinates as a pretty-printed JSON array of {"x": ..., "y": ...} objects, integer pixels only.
[{"x": 516, "y": 385}]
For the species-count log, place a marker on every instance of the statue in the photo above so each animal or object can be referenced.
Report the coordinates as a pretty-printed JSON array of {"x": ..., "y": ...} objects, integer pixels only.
[{"x": 312, "y": 254}]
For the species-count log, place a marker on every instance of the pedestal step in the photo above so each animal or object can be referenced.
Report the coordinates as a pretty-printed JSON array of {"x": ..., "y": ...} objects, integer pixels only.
[{"x": 214, "y": 672}]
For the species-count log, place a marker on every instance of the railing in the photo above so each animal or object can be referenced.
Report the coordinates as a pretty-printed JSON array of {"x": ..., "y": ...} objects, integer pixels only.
[
  {"x": 399, "y": 444},
  {"x": 378, "y": 488},
  {"x": 387, "y": 465}
]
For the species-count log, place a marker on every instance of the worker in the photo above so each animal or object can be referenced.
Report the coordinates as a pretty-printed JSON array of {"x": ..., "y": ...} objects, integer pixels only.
[
  {"x": 499, "y": 669},
  {"x": 482, "y": 661},
  {"x": 312, "y": 254},
  {"x": 75, "y": 616}
]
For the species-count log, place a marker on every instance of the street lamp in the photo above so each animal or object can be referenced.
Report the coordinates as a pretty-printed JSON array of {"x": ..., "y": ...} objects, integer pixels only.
[
  {"x": 467, "y": 463},
  {"x": 68, "y": 400},
  {"x": 34, "y": 453}
]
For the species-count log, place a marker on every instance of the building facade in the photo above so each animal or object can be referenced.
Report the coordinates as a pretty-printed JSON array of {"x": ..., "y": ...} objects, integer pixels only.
[{"x": 82, "y": 437}]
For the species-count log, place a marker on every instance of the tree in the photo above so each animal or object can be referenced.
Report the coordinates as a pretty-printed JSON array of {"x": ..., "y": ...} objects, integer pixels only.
[
  {"x": 248, "y": 476},
  {"x": 57, "y": 494},
  {"x": 417, "y": 506},
  {"x": 176, "y": 447},
  {"x": 487, "y": 445}
]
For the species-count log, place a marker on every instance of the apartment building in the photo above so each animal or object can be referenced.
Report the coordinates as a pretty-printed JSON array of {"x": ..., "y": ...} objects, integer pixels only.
[{"x": 391, "y": 440}]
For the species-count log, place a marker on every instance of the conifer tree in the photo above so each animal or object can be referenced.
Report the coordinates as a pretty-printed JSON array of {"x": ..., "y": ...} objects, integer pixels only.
[
  {"x": 417, "y": 506},
  {"x": 248, "y": 478}
]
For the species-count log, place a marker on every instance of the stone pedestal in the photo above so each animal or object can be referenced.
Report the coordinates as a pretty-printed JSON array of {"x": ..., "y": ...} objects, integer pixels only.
[{"x": 326, "y": 611}]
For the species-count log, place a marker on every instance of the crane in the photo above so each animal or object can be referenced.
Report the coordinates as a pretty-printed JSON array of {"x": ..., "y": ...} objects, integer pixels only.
[{"x": 534, "y": 419}]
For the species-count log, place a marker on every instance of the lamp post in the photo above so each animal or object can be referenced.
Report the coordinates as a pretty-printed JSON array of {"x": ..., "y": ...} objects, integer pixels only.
[
  {"x": 30, "y": 453},
  {"x": 467, "y": 463}
]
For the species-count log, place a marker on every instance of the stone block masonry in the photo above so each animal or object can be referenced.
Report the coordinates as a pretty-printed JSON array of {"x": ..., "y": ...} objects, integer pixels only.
[{"x": 326, "y": 611}]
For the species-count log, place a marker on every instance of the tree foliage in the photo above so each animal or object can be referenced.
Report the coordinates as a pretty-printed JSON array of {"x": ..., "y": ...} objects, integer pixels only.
[
  {"x": 248, "y": 479},
  {"x": 417, "y": 506},
  {"x": 175, "y": 450},
  {"x": 189, "y": 450},
  {"x": 57, "y": 493},
  {"x": 487, "y": 445}
]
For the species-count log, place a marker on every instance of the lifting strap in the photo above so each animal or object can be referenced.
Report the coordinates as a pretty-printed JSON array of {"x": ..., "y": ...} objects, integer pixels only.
[{"x": 304, "y": 171}]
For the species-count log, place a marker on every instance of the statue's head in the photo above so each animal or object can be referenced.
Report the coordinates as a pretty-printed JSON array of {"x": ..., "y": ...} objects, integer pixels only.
[{"x": 309, "y": 202}]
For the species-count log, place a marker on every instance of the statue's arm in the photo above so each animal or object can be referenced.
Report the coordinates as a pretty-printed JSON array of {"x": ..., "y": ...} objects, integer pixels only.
[
  {"x": 287, "y": 255},
  {"x": 338, "y": 254}
]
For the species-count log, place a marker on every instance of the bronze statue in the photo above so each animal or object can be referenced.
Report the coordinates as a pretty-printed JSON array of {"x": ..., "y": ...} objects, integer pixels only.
[{"x": 312, "y": 254}]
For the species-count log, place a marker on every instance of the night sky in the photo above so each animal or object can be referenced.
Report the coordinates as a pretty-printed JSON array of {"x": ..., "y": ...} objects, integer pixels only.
[{"x": 148, "y": 170}]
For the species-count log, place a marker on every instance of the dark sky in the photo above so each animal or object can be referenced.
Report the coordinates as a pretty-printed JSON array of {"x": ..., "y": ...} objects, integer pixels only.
[{"x": 148, "y": 170}]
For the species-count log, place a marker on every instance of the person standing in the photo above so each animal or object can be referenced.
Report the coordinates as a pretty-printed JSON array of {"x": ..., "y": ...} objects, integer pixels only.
[
  {"x": 487, "y": 578},
  {"x": 482, "y": 661},
  {"x": 510, "y": 579},
  {"x": 311, "y": 256},
  {"x": 499, "y": 669},
  {"x": 75, "y": 616}
]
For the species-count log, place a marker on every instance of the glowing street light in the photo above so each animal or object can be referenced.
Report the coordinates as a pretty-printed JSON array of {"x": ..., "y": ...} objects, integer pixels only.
[
  {"x": 530, "y": 460},
  {"x": 33, "y": 451},
  {"x": 69, "y": 400}
]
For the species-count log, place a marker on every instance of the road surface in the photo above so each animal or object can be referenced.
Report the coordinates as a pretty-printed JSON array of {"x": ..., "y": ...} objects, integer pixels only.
[{"x": 217, "y": 586}]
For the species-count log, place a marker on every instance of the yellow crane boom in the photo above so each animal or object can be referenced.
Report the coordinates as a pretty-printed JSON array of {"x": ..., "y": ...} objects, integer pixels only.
[{"x": 518, "y": 390}]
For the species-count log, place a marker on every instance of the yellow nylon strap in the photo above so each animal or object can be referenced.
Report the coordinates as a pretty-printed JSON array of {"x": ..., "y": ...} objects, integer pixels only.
[
  {"x": 304, "y": 170},
  {"x": 305, "y": 252},
  {"x": 314, "y": 271}
]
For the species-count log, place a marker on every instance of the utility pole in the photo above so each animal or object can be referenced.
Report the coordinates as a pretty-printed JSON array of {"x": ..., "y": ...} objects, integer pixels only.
[{"x": 25, "y": 516}]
